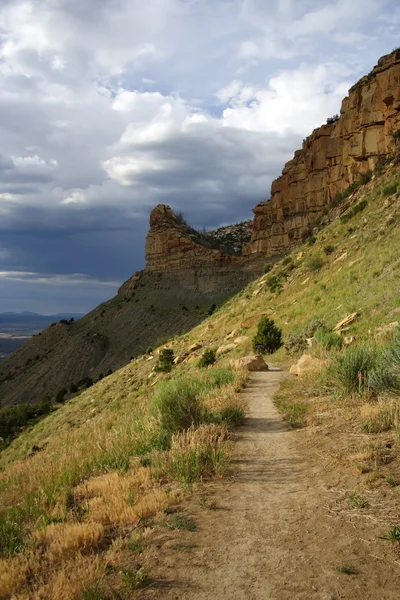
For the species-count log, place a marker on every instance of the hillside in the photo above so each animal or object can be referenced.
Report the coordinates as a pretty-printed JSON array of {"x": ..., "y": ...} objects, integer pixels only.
[
  {"x": 94, "y": 483},
  {"x": 188, "y": 272},
  {"x": 159, "y": 302}
]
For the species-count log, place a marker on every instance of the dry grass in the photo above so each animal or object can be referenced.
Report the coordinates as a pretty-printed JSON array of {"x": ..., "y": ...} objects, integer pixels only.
[
  {"x": 63, "y": 541},
  {"x": 89, "y": 481},
  {"x": 82, "y": 496}
]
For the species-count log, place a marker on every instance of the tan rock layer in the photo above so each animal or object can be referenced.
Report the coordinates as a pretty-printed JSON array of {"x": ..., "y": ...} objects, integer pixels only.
[
  {"x": 173, "y": 246},
  {"x": 330, "y": 160}
]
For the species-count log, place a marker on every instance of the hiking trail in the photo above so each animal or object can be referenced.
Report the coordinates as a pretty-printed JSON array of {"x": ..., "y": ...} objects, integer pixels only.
[{"x": 271, "y": 534}]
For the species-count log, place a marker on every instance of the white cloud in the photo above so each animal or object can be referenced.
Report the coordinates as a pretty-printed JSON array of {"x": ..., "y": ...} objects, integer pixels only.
[
  {"x": 107, "y": 108},
  {"x": 294, "y": 101}
]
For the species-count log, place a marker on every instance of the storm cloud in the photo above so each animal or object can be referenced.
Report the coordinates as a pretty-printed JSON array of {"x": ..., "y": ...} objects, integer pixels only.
[{"x": 108, "y": 107}]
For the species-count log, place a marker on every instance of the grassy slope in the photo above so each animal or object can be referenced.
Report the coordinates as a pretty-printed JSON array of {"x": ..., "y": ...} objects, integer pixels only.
[{"x": 86, "y": 461}]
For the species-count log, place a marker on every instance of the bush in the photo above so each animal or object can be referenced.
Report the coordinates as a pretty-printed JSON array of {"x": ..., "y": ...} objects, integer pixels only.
[
  {"x": 295, "y": 343},
  {"x": 73, "y": 388},
  {"x": 212, "y": 309},
  {"x": 267, "y": 268},
  {"x": 329, "y": 340},
  {"x": 60, "y": 397},
  {"x": 13, "y": 418},
  {"x": 177, "y": 403},
  {"x": 312, "y": 326},
  {"x": 311, "y": 240},
  {"x": 315, "y": 263},
  {"x": 329, "y": 249},
  {"x": 386, "y": 377},
  {"x": 390, "y": 189},
  {"x": 274, "y": 283},
  {"x": 208, "y": 358},
  {"x": 268, "y": 337},
  {"x": 333, "y": 119},
  {"x": 354, "y": 211},
  {"x": 351, "y": 370},
  {"x": 165, "y": 361}
]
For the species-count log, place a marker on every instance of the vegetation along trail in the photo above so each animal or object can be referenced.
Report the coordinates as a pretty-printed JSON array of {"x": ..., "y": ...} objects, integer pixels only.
[{"x": 269, "y": 532}]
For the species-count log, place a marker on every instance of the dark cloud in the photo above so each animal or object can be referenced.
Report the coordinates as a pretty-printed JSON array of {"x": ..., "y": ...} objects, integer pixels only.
[{"x": 108, "y": 107}]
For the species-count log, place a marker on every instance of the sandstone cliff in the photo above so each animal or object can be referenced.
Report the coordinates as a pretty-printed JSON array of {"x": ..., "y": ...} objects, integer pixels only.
[
  {"x": 173, "y": 246},
  {"x": 331, "y": 159}
]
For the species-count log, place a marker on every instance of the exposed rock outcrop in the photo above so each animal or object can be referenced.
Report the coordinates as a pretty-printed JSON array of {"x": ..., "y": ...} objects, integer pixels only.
[
  {"x": 173, "y": 246},
  {"x": 331, "y": 159}
]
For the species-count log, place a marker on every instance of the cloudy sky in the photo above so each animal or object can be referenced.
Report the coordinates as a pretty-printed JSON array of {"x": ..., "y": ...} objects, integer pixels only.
[{"x": 109, "y": 107}]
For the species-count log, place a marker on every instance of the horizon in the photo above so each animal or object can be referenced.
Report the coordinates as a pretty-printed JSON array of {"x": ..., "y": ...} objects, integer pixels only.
[{"x": 196, "y": 105}]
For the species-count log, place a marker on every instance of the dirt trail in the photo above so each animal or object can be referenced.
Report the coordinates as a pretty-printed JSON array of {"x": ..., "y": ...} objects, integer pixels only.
[{"x": 272, "y": 535}]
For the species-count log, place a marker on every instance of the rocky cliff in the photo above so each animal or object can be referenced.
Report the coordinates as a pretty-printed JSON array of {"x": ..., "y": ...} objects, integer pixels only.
[
  {"x": 196, "y": 259},
  {"x": 331, "y": 159}
]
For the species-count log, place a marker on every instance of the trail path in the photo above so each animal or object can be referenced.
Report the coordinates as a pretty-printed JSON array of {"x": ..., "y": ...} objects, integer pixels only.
[{"x": 272, "y": 536}]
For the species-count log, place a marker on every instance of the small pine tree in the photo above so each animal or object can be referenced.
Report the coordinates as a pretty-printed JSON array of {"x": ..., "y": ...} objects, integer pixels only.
[
  {"x": 268, "y": 338},
  {"x": 165, "y": 361}
]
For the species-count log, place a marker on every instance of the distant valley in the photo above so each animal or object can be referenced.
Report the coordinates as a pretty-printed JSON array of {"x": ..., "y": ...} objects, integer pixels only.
[{"x": 16, "y": 328}]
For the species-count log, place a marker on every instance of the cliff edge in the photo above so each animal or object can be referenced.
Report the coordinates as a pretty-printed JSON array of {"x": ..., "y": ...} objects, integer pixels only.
[{"x": 331, "y": 159}]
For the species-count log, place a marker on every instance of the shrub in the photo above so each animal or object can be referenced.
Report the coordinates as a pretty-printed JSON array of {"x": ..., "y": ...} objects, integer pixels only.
[
  {"x": 329, "y": 249},
  {"x": 13, "y": 418},
  {"x": 354, "y": 211},
  {"x": 351, "y": 370},
  {"x": 329, "y": 340},
  {"x": 212, "y": 309},
  {"x": 60, "y": 397},
  {"x": 295, "y": 342},
  {"x": 312, "y": 326},
  {"x": 178, "y": 404},
  {"x": 165, "y": 361},
  {"x": 390, "y": 189},
  {"x": 365, "y": 177},
  {"x": 386, "y": 377},
  {"x": 311, "y": 240},
  {"x": 267, "y": 268},
  {"x": 73, "y": 388},
  {"x": 207, "y": 358},
  {"x": 315, "y": 263},
  {"x": 268, "y": 337},
  {"x": 274, "y": 283},
  {"x": 333, "y": 119}
]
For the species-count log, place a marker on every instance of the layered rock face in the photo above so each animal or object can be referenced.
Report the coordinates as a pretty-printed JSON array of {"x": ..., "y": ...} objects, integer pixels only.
[
  {"x": 173, "y": 246},
  {"x": 330, "y": 160}
]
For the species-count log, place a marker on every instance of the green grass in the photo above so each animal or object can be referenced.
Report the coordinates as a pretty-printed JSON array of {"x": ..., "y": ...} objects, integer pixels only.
[
  {"x": 293, "y": 411},
  {"x": 393, "y": 535},
  {"x": 349, "y": 372},
  {"x": 357, "y": 500},
  {"x": 182, "y": 522},
  {"x": 177, "y": 403}
]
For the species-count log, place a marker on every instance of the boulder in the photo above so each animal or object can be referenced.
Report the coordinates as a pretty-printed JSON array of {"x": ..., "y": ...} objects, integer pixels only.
[
  {"x": 195, "y": 347},
  {"x": 179, "y": 359},
  {"x": 224, "y": 349},
  {"x": 312, "y": 341},
  {"x": 306, "y": 364},
  {"x": 349, "y": 340},
  {"x": 243, "y": 339},
  {"x": 346, "y": 321},
  {"x": 231, "y": 335},
  {"x": 252, "y": 363}
]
